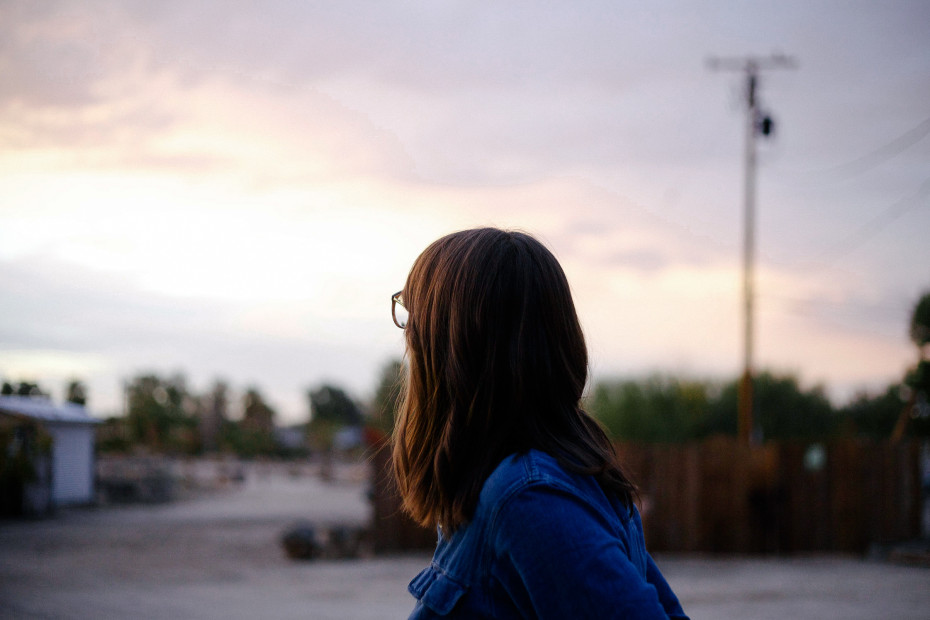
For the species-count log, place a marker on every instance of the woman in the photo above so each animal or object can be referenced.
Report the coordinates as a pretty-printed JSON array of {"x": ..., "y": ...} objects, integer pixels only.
[{"x": 536, "y": 517}]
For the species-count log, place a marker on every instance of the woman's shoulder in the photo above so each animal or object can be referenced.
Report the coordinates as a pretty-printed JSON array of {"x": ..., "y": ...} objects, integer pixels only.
[
  {"x": 534, "y": 470},
  {"x": 523, "y": 468},
  {"x": 536, "y": 481}
]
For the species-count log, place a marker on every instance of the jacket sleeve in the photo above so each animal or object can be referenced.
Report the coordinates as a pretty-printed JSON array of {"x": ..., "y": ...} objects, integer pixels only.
[
  {"x": 666, "y": 596},
  {"x": 557, "y": 556}
]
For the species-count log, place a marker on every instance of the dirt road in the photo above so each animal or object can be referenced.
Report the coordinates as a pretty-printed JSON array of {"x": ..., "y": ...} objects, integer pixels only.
[{"x": 219, "y": 556}]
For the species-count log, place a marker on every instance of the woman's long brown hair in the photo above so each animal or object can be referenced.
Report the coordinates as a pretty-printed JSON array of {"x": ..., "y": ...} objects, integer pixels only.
[{"x": 497, "y": 365}]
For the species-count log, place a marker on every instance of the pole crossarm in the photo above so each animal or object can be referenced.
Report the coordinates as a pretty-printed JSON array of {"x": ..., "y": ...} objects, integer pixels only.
[{"x": 751, "y": 63}]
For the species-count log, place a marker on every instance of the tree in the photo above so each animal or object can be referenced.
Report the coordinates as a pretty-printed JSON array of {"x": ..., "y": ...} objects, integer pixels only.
[
  {"x": 112, "y": 436},
  {"x": 916, "y": 413},
  {"x": 330, "y": 410},
  {"x": 255, "y": 435},
  {"x": 384, "y": 405},
  {"x": 657, "y": 409},
  {"x": 257, "y": 414},
  {"x": 161, "y": 414},
  {"x": 665, "y": 409},
  {"x": 784, "y": 409},
  {"x": 903, "y": 407},
  {"x": 915, "y": 417},
  {"x": 76, "y": 393},
  {"x": 874, "y": 416},
  {"x": 920, "y": 324},
  {"x": 27, "y": 388},
  {"x": 24, "y": 443},
  {"x": 333, "y": 405}
]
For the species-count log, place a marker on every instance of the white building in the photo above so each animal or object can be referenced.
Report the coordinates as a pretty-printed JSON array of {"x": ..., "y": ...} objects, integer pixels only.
[{"x": 72, "y": 460}]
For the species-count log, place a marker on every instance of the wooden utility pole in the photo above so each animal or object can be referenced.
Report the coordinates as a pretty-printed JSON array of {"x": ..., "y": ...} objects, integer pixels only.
[{"x": 749, "y": 429}]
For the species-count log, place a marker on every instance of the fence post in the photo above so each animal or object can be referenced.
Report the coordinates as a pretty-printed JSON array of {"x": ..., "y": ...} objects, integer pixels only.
[{"x": 392, "y": 529}]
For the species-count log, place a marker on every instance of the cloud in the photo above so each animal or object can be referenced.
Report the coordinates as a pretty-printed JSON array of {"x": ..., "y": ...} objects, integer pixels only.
[
  {"x": 94, "y": 90},
  {"x": 62, "y": 321},
  {"x": 249, "y": 177},
  {"x": 470, "y": 99},
  {"x": 66, "y": 56},
  {"x": 55, "y": 305}
]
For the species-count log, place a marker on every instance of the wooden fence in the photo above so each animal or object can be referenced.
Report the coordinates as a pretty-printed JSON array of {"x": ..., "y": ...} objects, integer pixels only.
[
  {"x": 392, "y": 529},
  {"x": 722, "y": 496}
]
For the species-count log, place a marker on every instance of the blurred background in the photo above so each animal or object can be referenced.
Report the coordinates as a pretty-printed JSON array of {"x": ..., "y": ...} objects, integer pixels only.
[{"x": 205, "y": 206}]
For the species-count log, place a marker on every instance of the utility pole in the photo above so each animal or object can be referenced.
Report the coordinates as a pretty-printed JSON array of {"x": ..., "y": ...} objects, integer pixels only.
[{"x": 749, "y": 429}]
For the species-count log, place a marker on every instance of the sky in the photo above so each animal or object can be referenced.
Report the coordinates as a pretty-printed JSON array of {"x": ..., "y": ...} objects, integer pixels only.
[{"x": 233, "y": 190}]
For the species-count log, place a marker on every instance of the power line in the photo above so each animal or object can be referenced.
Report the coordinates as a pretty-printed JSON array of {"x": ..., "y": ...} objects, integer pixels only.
[
  {"x": 874, "y": 226},
  {"x": 882, "y": 154},
  {"x": 883, "y": 305}
]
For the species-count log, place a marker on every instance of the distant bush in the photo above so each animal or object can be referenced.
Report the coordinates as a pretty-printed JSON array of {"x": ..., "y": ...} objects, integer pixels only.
[{"x": 667, "y": 409}]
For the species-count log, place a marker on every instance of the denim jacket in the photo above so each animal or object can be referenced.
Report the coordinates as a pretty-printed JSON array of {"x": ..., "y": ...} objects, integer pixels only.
[{"x": 544, "y": 543}]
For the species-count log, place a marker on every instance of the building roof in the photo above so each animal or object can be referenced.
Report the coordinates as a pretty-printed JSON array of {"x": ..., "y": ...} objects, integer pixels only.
[{"x": 45, "y": 410}]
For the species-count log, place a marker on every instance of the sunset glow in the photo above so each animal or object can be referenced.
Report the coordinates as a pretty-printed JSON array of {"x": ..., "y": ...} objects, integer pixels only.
[{"x": 238, "y": 200}]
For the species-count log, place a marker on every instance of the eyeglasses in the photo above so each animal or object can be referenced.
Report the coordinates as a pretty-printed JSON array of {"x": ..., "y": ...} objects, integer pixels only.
[{"x": 398, "y": 310}]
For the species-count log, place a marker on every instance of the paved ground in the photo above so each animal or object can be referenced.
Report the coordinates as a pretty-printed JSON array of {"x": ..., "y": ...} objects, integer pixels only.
[{"x": 219, "y": 557}]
